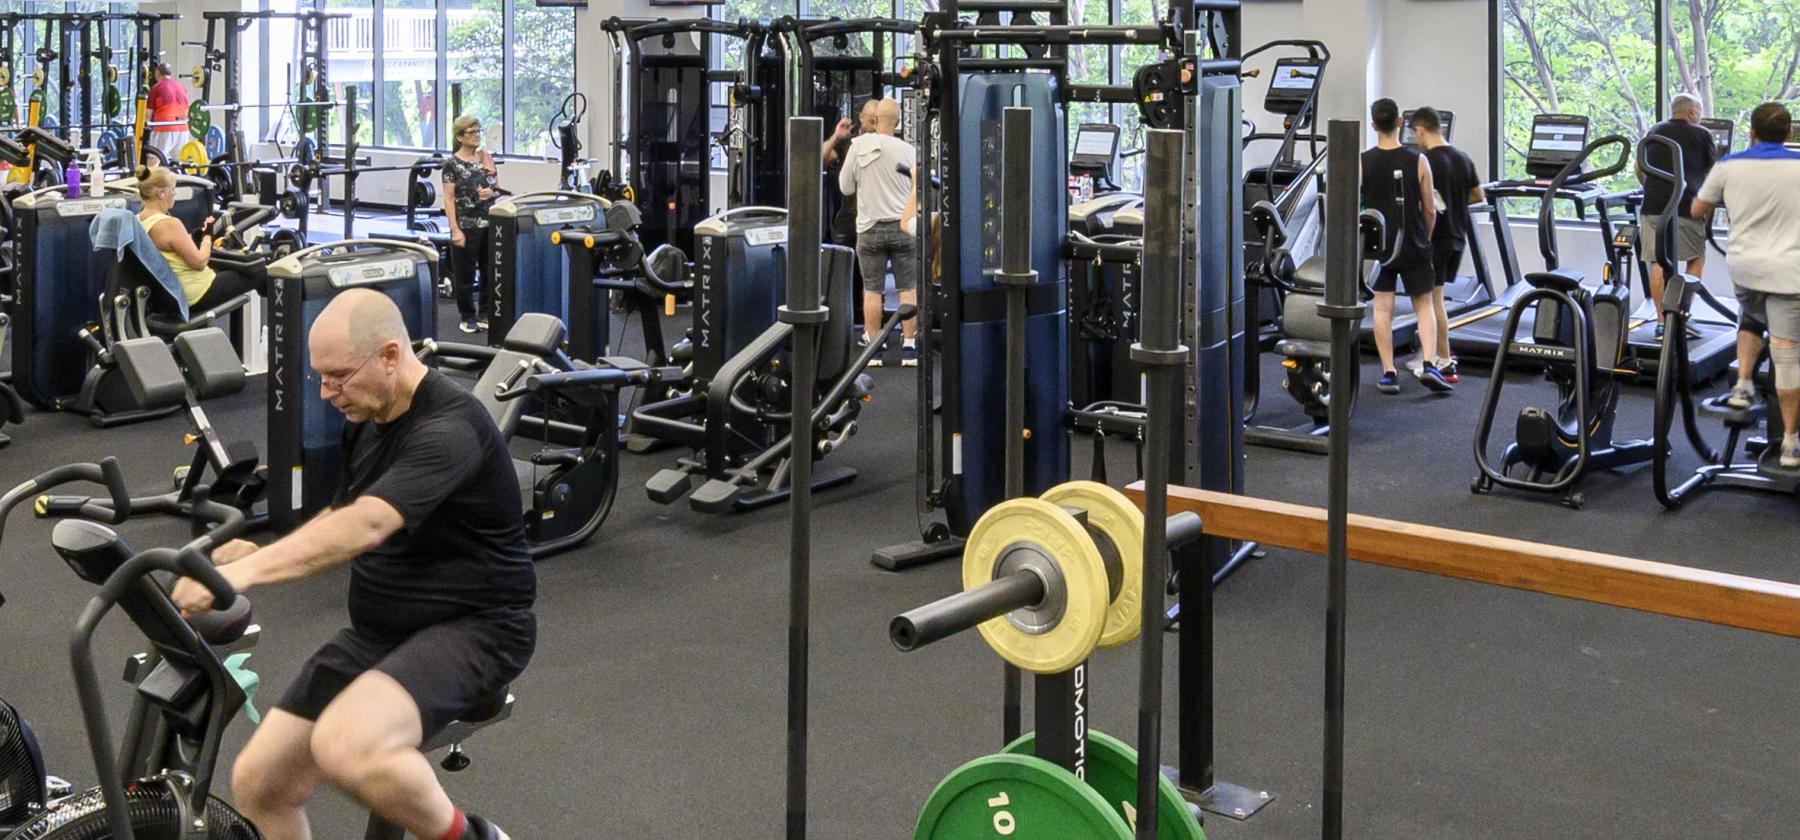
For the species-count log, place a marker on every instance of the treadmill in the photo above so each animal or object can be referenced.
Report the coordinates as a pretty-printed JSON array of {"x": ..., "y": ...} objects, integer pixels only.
[
  {"x": 1095, "y": 205},
  {"x": 1712, "y": 323},
  {"x": 1556, "y": 139}
]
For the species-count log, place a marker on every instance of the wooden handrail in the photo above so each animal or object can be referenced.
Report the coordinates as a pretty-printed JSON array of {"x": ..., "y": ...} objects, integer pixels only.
[{"x": 1664, "y": 588}]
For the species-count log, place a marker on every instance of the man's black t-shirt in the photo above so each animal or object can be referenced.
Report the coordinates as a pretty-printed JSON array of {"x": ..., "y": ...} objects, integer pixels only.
[
  {"x": 444, "y": 467},
  {"x": 1382, "y": 192},
  {"x": 1453, "y": 178},
  {"x": 1698, "y": 154}
]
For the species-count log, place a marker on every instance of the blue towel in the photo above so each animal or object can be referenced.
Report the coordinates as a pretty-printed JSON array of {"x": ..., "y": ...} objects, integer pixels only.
[{"x": 119, "y": 230}]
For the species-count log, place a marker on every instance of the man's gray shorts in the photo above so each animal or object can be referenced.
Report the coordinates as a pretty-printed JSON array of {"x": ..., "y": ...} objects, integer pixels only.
[
  {"x": 1779, "y": 314},
  {"x": 883, "y": 244},
  {"x": 1690, "y": 238}
]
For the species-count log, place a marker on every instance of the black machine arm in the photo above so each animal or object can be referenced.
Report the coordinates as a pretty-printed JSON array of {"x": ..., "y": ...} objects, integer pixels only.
[
  {"x": 105, "y": 473},
  {"x": 1572, "y": 176},
  {"x": 1676, "y": 178}
]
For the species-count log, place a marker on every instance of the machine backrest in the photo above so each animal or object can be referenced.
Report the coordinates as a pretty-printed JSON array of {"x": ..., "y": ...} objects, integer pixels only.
[
  {"x": 160, "y": 375},
  {"x": 506, "y": 413},
  {"x": 837, "y": 343}
]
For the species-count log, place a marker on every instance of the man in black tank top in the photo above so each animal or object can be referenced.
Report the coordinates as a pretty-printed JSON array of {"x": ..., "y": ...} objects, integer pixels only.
[{"x": 1395, "y": 180}]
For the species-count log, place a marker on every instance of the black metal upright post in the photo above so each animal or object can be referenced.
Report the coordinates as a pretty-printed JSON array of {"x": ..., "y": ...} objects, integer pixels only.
[
  {"x": 1016, "y": 275},
  {"x": 1343, "y": 306},
  {"x": 1160, "y": 350},
  {"x": 805, "y": 313}
]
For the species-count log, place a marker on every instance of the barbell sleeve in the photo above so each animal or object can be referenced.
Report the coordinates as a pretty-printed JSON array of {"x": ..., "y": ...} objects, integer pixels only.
[{"x": 947, "y": 617}]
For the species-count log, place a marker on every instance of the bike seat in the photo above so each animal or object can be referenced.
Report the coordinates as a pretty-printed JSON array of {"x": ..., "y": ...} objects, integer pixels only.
[{"x": 1561, "y": 280}]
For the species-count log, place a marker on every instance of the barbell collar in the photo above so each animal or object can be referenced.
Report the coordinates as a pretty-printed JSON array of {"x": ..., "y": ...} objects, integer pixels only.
[
  {"x": 1147, "y": 356},
  {"x": 815, "y": 315},
  {"x": 1011, "y": 278},
  {"x": 1350, "y": 312}
]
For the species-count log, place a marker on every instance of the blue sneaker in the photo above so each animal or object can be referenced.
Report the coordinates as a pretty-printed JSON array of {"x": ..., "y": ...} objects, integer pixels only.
[
  {"x": 1389, "y": 383},
  {"x": 1435, "y": 380},
  {"x": 909, "y": 356}
]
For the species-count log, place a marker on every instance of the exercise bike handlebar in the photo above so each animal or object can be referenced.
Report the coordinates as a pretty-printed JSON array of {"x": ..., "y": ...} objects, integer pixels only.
[{"x": 105, "y": 473}]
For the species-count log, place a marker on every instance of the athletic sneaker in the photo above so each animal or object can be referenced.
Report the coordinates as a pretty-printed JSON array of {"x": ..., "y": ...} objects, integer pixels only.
[
  {"x": 1389, "y": 383},
  {"x": 1448, "y": 370},
  {"x": 909, "y": 357},
  {"x": 1742, "y": 396},
  {"x": 1416, "y": 366},
  {"x": 1435, "y": 380},
  {"x": 480, "y": 828},
  {"x": 1790, "y": 452},
  {"x": 482, "y": 324},
  {"x": 468, "y": 325}
]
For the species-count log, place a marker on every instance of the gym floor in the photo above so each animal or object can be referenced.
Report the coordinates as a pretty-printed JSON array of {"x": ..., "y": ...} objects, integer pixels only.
[{"x": 654, "y": 706}]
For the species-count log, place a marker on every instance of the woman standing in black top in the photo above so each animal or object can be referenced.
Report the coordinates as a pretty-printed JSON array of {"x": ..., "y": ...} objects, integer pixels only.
[
  {"x": 472, "y": 183},
  {"x": 1394, "y": 180}
]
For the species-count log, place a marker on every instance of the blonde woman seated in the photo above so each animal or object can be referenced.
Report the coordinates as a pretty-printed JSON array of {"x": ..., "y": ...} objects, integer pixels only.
[{"x": 203, "y": 287}]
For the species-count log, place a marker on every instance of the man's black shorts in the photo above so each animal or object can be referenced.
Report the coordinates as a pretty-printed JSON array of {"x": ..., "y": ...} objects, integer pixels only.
[
  {"x": 1413, "y": 273},
  {"x": 1446, "y": 259},
  {"x": 448, "y": 668}
]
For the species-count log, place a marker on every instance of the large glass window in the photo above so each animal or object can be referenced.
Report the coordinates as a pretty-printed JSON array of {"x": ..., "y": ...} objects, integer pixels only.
[
  {"x": 351, "y": 53},
  {"x": 543, "y": 70},
  {"x": 477, "y": 65},
  {"x": 409, "y": 44},
  {"x": 1595, "y": 58},
  {"x": 1734, "y": 55}
]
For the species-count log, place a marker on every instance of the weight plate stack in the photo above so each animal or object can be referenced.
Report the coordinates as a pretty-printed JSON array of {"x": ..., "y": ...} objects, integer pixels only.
[
  {"x": 1121, "y": 523},
  {"x": 1063, "y": 631},
  {"x": 1017, "y": 796}
]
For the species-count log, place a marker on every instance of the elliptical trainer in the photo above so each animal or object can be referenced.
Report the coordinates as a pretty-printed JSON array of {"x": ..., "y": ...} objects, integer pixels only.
[
  {"x": 1580, "y": 336},
  {"x": 1675, "y": 387}
]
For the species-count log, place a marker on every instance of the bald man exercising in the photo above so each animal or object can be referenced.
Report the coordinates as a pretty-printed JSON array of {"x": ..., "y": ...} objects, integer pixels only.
[
  {"x": 878, "y": 171},
  {"x": 441, "y": 588}
]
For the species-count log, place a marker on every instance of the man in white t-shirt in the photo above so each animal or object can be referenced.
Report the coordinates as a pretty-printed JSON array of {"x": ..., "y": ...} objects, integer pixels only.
[
  {"x": 1761, "y": 188},
  {"x": 878, "y": 172}
]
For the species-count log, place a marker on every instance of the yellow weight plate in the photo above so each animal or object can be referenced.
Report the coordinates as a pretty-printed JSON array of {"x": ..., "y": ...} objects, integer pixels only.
[
  {"x": 198, "y": 76},
  {"x": 193, "y": 156},
  {"x": 37, "y": 78},
  {"x": 1053, "y": 532},
  {"x": 1110, "y": 513},
  {"x": 112, "y": 75},
  {"x": 5, "y": 76}
]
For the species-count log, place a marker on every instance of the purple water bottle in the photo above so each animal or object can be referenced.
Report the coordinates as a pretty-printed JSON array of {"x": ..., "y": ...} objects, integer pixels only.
[{"x": 72, "y": 179}]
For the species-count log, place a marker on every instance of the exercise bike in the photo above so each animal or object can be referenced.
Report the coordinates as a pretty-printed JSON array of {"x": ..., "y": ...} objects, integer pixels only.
[
  {"x": 1580, "y": 337},
  {"x": 185, "y": 695}
]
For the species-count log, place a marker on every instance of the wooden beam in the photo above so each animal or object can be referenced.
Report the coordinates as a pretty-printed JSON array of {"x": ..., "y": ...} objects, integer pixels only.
[{"x": 1663, "y": 588}]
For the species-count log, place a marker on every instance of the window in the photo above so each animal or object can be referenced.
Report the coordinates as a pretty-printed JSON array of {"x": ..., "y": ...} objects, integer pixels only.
[
  {"x": 1734, "y": 55},
  {"x": 409, "y": 44},
  {"x": 351, "y": 56},
  {"x": 477, "y": 55},
  {"x": 1591, "y": 57},
  {"x": 543, "y": 70}
]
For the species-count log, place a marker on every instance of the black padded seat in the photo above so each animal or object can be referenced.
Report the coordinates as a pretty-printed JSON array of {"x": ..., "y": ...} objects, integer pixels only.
[
  {"x": 1561, "y": 280},
  {"x": 1311, "y": 274}
]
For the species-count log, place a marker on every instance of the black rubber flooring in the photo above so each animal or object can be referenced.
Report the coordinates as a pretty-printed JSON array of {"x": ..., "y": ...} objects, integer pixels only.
[{"x": 654, "y": 706}]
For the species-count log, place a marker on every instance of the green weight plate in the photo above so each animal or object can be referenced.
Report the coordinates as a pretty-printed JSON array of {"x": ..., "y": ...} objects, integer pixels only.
[
  {"x": 1112, "y": 773},
  {"x": 9, "y": 107},
  {"x": 110, "y": 102},
  {"x": 199, "y": 120},
  {"x": 1019, "y": 797}
]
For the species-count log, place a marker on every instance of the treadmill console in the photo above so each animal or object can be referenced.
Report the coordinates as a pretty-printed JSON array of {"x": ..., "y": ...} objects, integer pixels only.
[
  {"x": 1556, "y": 139},
  {"x": 1721, "y": 131},
  {"x": 1092, "y": 160},
  {"x": 1447, "y": 126},
  {"x": 1292, "y": 85}
]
